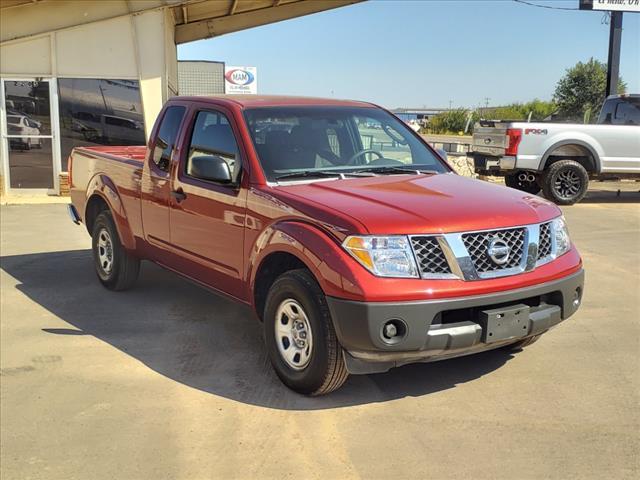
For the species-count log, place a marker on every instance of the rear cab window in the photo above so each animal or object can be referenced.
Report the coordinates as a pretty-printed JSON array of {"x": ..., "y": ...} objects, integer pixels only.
[{"x": 167, "y": 135}]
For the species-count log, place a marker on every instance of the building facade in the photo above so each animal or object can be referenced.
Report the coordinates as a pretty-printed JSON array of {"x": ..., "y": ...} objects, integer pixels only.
[
  {"x": 199, "y": 77},
  {"x": 98, "y": 72}
]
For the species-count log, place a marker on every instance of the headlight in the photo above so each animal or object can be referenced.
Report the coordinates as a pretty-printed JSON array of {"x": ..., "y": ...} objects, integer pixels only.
[
  {"x": 384, "y": 256},
  {"x": 561, "y": 236}
]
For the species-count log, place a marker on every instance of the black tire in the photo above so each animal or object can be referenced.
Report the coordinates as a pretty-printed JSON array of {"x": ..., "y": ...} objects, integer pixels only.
[
  {"x": 325, "y": 370},
  {"x": 512, "y": 180},
  {"x": 523, "y": 343},
  {"x": 122, "y": 271},
  {"x": 565, "y": 182}
]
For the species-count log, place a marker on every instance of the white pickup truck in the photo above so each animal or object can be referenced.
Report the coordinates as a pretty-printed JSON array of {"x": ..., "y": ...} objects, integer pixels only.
[{"x": 560, "y": 158}]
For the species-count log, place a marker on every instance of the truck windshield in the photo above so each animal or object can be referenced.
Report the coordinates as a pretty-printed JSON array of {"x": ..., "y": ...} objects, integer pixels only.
[{"x": 317, "y": 141}]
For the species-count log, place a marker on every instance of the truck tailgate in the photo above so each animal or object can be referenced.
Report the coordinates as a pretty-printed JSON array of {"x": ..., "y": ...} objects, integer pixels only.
[{"x": 490, "y": 140}]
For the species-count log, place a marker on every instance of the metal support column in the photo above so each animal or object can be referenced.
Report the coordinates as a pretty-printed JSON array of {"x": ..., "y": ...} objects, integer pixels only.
[{"x": 613, "y": 63}]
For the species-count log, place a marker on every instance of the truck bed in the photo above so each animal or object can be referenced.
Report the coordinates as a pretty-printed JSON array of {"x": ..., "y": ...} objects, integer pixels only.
[
  {"x": 120, "y": 153},
  {"x": 104, "y": 168}
]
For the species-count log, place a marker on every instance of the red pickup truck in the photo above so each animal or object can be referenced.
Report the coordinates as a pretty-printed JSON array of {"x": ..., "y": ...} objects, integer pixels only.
[{"x": 354, "y": 241}]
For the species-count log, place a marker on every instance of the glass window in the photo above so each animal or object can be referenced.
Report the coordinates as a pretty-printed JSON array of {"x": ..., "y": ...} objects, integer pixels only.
[
  {"x": 167, "y": 136},
  {"x": 334, "y": 139},
  {"x": 28, "y": 108},
  {"x": 212, "y": 135},
  {"x": 628, "y": 112},
  {"x": 30, "y": 162},
  {"x": 99, "y": 112},
  {"x": 28, "y": 116}
]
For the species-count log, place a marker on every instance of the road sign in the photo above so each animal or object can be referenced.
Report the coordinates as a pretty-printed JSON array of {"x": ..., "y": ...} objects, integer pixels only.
[
  {"x": 240, "y": 80},
  {"x": 611, "y": 5}
]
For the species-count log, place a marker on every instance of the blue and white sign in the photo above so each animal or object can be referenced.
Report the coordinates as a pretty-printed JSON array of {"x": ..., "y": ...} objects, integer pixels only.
[{"x": 240, "y": 80}]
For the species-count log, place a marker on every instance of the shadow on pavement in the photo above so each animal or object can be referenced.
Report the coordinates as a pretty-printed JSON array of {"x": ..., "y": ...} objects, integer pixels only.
[
  {"x": 203, "y": 340},
  {"x": 596, "y": 195}
]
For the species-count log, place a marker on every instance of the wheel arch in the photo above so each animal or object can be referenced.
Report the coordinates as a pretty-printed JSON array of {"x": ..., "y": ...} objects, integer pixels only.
[
  {"x": 102, "y": 195},
  {"x": 573, "y": 149},
  {"x": 292, "y": 245}
]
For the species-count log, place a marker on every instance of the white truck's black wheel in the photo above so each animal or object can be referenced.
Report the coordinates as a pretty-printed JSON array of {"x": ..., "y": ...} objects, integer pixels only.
[
  {"x": 524, "y": 181},
  {"x": 116, "y": 268},
  {"x": 565, "y": 182},
  {"x": 299, "y": 336}
]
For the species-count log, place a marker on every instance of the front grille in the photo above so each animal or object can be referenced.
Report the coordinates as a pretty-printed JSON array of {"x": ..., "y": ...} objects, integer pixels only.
[
  {"x": 544, "y": 245},
  {"x": 478, "y": 245},
  {"x": 431, "y": 259}
]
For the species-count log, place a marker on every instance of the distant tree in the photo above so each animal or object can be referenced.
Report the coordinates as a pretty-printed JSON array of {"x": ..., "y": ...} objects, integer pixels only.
[
  {"x": 452, "y": 121},
  {"x": 539, "y": 110},
  {"x": 582, "y": 90}
]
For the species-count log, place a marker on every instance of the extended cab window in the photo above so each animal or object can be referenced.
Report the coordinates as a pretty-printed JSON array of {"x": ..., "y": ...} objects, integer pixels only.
[
  {"x": 167, "y": 136},
  {"x": 628, "y": 112},
  {"x": 212, "y": 139}
]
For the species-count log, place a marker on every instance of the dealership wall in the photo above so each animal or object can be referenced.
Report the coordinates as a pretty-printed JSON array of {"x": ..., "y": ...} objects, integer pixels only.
[{"x": 137, "y": 47}]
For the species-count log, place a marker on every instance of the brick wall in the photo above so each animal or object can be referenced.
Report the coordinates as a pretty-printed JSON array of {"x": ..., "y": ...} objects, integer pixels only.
[{"x": 64, "y": 184}]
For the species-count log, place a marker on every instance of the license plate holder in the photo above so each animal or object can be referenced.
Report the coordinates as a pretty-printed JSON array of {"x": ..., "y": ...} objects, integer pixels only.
[{"x": 504, "y": 323}]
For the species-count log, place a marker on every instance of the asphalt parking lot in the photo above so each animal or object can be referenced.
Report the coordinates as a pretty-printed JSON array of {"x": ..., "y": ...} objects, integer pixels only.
[{"x": 170, "y": 381}]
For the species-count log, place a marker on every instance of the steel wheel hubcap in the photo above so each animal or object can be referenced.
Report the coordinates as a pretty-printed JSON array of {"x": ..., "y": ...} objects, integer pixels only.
[
  {"x": 105, "y": 251},
  {"x": 293, "y": 334},
  {"x": 567, "y": 183}
]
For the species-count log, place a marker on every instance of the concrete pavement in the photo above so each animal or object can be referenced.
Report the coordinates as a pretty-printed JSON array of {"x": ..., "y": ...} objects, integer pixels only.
[{"x": 170, "y": 381}]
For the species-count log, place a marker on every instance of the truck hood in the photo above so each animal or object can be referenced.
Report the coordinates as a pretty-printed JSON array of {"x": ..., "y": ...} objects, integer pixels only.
[{"x": 411, "y": 204}]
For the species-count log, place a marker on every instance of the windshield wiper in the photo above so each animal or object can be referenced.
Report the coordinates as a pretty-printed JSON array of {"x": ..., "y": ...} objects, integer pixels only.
[
  {"x": 325, "y": 174},
  {"x": 308, "y": 174},
  {"x": 397, "y": 169}
]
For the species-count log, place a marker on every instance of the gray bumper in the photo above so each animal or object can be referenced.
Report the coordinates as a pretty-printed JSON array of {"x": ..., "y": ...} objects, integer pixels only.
[{"x": 439, "y": 329}]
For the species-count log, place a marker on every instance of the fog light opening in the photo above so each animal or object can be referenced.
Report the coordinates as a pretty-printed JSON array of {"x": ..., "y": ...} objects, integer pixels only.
[
  {"x": 577, "y": 297},
  {"x": 393, "y": 331}
]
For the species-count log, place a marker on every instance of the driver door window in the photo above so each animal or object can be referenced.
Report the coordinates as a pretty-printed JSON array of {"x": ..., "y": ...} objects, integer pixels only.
[{"x": 213, "y": 136}]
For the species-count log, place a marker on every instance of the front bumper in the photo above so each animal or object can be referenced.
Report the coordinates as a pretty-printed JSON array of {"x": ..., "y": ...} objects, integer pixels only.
[{"x": 438, "y": 329}]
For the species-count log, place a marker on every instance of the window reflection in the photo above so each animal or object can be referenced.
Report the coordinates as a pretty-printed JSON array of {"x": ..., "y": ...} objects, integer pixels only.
[
  {"x": 27, "y": 104},
  {"x": 30, "y": 163},
  {"x": 99, "y": 112}
]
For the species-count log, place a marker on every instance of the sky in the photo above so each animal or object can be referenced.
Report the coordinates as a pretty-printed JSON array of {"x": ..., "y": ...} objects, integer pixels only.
[{"x": 425, "y": 52}]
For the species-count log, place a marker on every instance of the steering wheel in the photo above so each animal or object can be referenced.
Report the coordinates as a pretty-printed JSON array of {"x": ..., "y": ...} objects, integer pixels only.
[
  {"x": 352, "y": 161},
  {"x": 329, "y": 156}
]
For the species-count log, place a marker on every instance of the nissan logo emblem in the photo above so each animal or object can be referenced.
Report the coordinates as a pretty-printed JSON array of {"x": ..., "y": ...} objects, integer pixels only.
[{"x": 498, "y": 251}]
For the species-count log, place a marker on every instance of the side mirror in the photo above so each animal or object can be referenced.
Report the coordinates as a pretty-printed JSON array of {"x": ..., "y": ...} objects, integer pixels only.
[
  {"x": 443, "y": 153},
  {"x": 210, "y": 167}
]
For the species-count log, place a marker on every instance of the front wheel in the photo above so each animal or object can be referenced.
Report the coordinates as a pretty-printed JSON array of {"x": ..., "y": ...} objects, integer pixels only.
[
  {"x": 116, "y": 268},
  {"x": 565, "y": 182},
  {"x": 300, "y": 338}
]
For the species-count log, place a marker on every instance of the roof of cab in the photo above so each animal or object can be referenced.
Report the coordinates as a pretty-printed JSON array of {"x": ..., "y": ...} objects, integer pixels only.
[{"x": 254, "y": 101}]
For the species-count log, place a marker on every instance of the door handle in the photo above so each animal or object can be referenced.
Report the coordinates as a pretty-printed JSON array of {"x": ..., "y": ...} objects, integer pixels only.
[{"x": 179, "y": 195}]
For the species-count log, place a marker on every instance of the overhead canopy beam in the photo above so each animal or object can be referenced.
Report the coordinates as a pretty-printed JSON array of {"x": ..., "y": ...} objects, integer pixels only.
[
  {"x": 234, "y": 5},
  {"x": 234, "y": 22}
]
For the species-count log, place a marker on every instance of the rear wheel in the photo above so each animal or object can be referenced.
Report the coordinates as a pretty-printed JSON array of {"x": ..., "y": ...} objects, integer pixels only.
[
  {"x": 524, "y": 181},
  {"x": 565, "y": 182},
  {"x": 300, "y": 338},
  {"x": 116, "y": 268}
]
